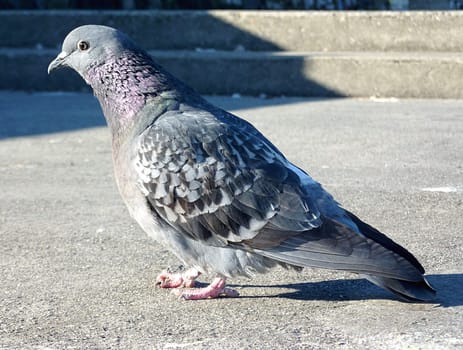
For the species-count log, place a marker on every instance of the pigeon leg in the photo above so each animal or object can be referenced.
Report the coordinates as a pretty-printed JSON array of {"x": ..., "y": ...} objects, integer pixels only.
[
  {"x": 175, "y": 280},
  {"x": 215, "y": 290}
]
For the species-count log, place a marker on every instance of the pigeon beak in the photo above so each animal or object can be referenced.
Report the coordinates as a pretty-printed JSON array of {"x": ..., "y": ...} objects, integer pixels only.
[{"x": 57, "y": 62}]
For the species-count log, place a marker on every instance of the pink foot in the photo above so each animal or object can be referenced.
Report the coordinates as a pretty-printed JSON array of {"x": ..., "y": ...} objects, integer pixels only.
[
  {"x": 176, "y": 280},
  {"x": 215, "y": 290}
]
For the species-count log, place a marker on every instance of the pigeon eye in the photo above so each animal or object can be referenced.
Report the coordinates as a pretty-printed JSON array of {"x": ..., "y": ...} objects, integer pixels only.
[{"x": 83, "y": 45}]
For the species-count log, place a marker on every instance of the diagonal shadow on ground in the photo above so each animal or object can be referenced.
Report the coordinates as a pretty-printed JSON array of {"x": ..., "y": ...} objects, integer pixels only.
[{"x": 217, "y": 77}]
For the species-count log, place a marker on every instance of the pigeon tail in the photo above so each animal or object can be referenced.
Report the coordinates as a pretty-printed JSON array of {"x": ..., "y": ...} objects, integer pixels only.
[
  {"x": 370, "y": 253},
  {"x": 412, "y": 291}
]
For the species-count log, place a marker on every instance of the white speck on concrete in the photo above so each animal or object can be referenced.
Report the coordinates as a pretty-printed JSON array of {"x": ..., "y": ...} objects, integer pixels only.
[
  {"x": 384, "y": 99},
  {"x": 444, "y": 189}
]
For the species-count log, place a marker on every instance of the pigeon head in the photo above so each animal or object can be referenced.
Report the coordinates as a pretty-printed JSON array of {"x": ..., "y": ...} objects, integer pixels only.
[
  {"x": 123, "y": 76},
  {"x": 90, "y": 45}
]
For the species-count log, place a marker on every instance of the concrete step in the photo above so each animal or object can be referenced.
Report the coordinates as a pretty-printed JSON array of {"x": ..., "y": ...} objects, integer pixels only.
[
  {"x": 359, "y": 74},
  {"x": 305, "y": 31}
]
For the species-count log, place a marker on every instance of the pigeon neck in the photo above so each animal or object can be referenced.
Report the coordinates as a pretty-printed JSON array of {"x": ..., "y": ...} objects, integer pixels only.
[{"x": 122, "y": 84}]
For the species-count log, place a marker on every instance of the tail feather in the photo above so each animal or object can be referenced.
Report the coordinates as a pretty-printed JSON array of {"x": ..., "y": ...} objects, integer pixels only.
[
  {"x": 385, "y": 241},
  {"x": 408, "y": 290},
  {"x": 372, "y": 254}
]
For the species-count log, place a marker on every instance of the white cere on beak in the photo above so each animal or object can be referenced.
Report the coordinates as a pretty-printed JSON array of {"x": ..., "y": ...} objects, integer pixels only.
[{"x": 62, "y": 55}]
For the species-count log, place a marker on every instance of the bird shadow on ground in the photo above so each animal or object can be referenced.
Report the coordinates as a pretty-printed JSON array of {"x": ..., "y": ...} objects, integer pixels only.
[{"x": 448, "y": 287}]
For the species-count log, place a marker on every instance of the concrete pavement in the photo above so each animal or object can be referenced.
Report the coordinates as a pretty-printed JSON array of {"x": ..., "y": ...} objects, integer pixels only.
[{"x": 77, "y": 272}]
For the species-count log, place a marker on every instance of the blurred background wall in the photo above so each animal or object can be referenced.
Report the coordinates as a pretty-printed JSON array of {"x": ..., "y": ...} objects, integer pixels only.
[{"x": 237, "y": 4}]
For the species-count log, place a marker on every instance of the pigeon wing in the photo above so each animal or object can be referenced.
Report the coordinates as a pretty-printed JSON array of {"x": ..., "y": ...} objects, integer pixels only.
[{"x": 221, "y": 182}]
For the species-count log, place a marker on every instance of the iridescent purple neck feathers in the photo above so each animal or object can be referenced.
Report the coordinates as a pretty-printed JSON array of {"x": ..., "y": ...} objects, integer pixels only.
[{"x": 123, "y": 83}]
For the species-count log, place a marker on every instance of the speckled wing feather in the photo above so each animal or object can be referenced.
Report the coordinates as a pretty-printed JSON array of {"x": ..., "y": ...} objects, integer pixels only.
[{"x": 220, "y": 182}]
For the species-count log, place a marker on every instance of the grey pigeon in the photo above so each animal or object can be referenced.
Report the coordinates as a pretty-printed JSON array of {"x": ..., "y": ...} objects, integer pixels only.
[{"x": 211, "y": 188}]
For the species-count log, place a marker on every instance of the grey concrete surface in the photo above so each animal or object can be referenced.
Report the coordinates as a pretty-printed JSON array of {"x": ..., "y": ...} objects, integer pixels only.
[
  {"x": 292, "y": 53},
  {"x": 77, "y": 273}
]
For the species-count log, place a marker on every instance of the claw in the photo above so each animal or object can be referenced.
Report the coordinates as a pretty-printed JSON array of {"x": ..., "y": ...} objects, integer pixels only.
[
  {"x": 216, "y": 289},
  {"x": 175, "y": 280}
]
